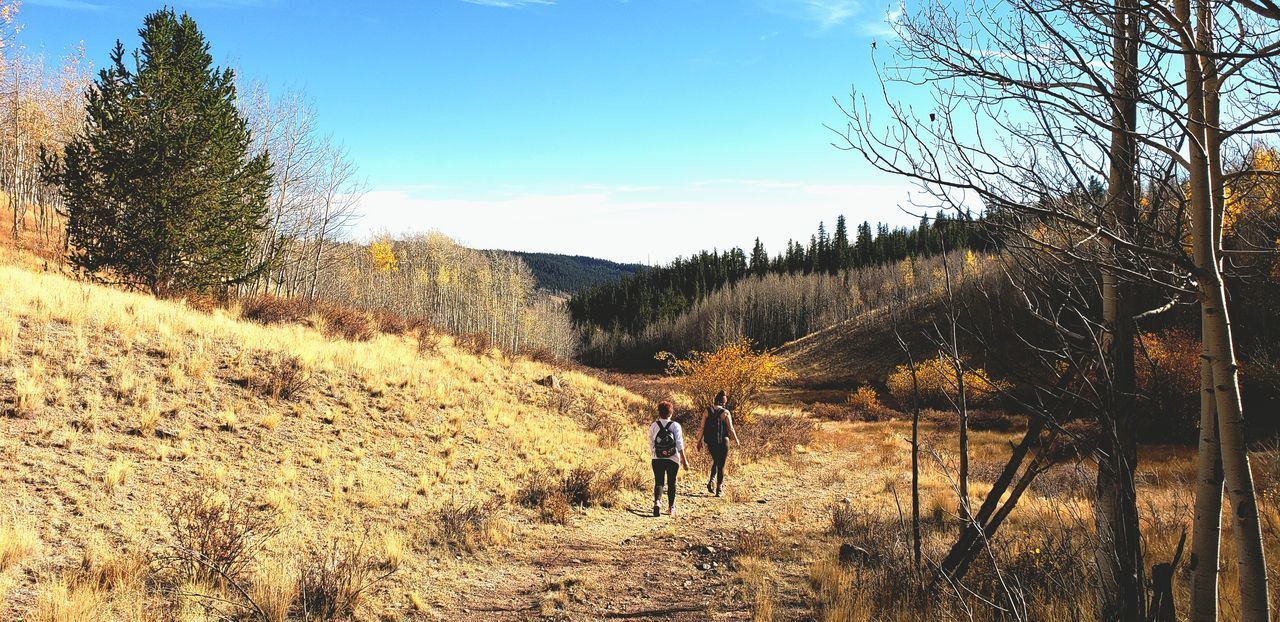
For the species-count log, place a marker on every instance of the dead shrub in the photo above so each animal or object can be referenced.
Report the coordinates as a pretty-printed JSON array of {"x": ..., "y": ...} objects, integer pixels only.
[
  {"x": 465, "y": 526},
  {"x": 769, "y": 435},
  {"x": 216, "y": 536},
  {"x": 272, "y": 310},
  {"x": 346, "y": 323},
  {"x": 335, "y": 579},
  {"x": 283, "y": 376},
  {"x": 844, "y": 519},
  {"x": 478, "y": 344},
  {"x": 554, "y": 493}
]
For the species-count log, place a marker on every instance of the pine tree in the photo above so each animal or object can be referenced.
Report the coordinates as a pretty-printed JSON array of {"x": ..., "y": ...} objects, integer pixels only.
[
  {"x": 863, "y": 245},
  {"x": 160, "y": 192},
  {"x": 840, "y": 246},
  {"x": 759, "y": 259}
]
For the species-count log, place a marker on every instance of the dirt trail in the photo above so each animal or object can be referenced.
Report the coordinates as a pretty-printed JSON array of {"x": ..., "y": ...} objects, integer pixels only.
[{"x": 623, "y": 563}]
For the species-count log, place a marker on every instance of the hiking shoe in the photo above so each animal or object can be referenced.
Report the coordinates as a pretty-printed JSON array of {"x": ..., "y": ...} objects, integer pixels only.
[
  {"x": 671, "y": 511},
  {"x": 656, "y": 511},
  {"x": 710, "y": 488},
  {"x": 717, "y": 492}
]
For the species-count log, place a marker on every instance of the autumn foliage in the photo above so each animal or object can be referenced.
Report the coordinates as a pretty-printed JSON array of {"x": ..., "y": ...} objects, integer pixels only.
[
  {"x": 736, "y": 367},
  {"x": 1168, "y": 375},
  {"x": 936, "y": 378}
]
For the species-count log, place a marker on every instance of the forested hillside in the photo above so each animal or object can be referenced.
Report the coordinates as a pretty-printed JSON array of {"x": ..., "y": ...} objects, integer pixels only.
[
  {"x": 554, "y": 272},
  {"x": 714, "y": 295}
]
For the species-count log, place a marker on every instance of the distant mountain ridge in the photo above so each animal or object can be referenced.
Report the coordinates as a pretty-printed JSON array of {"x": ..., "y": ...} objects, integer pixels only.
[{"x": 571, "y": 273}]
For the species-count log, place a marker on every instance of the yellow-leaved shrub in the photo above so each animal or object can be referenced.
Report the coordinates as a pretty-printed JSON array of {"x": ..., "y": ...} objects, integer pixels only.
[
  {"x": 936, "y": 378},
  {"x": 736, "y": 368}
]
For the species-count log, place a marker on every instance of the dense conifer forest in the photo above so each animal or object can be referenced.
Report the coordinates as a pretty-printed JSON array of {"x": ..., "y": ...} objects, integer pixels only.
[{"x": 665, "y": 292}]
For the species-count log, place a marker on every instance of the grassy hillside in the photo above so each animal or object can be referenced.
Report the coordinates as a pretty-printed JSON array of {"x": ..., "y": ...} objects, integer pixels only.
[
  {"x": 571, "y": 273},
  {"x": 121, "y": 411}
]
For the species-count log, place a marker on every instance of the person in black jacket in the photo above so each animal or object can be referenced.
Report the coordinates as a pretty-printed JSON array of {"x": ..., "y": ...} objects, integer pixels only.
[{"x": 715, "y": 431}]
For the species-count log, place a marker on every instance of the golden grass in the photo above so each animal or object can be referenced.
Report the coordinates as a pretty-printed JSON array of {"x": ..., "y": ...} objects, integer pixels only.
[
  {"x": 59, "y": 601},
  {"x": 152, "y": 398},
  {"x": 17, "y": 543}
]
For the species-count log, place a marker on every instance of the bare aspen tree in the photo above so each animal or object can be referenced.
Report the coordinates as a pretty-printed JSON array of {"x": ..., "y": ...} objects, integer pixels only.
[
  {"x": 1058, "y": 82},
  {"x": 340, "y": 192},
  {"x": 1239, "y": 46}
]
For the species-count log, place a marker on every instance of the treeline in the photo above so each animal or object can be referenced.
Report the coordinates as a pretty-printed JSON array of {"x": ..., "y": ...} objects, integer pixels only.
[
  {"x": 457, "y": 290},
  {"x": 41, "y": 107},
  {"x": 662, "y": 294},
  {"x": 776, "y": 308}
]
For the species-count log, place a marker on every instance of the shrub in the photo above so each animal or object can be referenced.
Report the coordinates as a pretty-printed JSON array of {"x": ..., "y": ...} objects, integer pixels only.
[
  {"x": 284, "y": 376},
  {"x": 464, "y": 525},
  {"x": 216, "y": 536},
  {"x": 736, "y": 368},
  {"x": 771, "y": 435},
  {"x": 334, "y": 580},
  {"x": 865, "y": 399},
  {"x": 272, "y": 310},
  {"x": 936, "y": 378},
  {"x": 1168, "y": 378},
  {"x": 474, "y": 343},
  {"x": 832, "y": 412},
  {"x": 554, "y": 493},
  {"x": 346, "y": 323}
]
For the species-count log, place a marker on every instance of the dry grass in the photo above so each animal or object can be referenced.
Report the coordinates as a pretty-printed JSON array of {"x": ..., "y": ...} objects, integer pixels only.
[
  {"x": 123, "y": 401},
  {"x": 1043, "y": 554},
  {"x": 17, "y": 543}
]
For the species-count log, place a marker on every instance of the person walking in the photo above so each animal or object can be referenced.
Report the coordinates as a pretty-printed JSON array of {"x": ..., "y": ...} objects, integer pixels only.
[
  {"x": 666, "y": 440},
  {"x": 716, "y": 430}
]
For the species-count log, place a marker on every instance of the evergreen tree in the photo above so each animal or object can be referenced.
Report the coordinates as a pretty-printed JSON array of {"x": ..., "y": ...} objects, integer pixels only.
[
  {"x": 759, "y": 259},
  {"x": 159, "y": 189},
  {"x": 823, "y": 249},
  {"x": 862, "y": 246},
  {"x": 840, "y": 246},
  {"x": 811, "y": 256}
]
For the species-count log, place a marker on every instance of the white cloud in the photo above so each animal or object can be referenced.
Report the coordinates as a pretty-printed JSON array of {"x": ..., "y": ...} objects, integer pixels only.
[
  {"x": 825, "y": 13},
  {"x": 635, "y": 224}
]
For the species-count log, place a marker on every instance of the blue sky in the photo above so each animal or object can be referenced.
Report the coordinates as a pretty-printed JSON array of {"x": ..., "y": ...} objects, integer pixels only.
[{"x": 635, "y": 130}]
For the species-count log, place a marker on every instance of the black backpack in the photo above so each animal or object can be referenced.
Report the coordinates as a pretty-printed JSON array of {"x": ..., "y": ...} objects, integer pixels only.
[
  {"x": 715, "y": 433},
  {"x": 664, "y": 443}
]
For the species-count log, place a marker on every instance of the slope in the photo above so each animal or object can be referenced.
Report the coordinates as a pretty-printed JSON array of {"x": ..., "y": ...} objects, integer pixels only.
[
  {"x": 570, "y": 273},
  {"x": 118, "y": 408}
]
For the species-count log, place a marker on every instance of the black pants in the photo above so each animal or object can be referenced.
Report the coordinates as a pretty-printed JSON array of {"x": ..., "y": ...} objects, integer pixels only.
[
  {"x": 663, "y": 468},
  {"x": 719, "y": 455}
]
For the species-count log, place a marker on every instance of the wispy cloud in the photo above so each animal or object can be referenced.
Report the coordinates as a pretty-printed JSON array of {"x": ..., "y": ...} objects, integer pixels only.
[
  {"x": 75, "y": 5},
  {"x": 509, "y": 4},
  {"x": 824, "y": 13}
]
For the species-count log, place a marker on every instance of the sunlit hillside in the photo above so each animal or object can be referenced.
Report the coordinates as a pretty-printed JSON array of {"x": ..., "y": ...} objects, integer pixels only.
[{"x": 125, "y": 415}]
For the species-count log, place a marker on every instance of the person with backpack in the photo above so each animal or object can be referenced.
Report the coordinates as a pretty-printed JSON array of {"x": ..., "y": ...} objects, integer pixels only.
[
  {"x": 717, "y": 428},
  {"x": 666, "y": 439}
]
